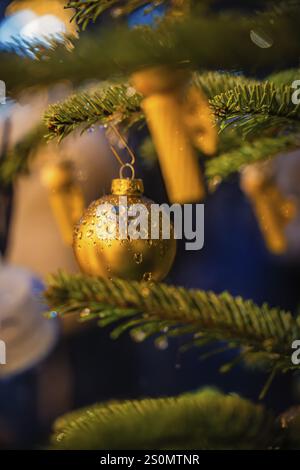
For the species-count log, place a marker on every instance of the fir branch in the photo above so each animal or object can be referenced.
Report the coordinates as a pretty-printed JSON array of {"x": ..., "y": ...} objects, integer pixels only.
[
  {"x": 216, "y": 83},
  {"x": 261, "y": 149},
  {"x": 204, "y": 420},
  {"x": 87, "y": 11},
  {"x": 285, "y": 77},
  {"x": 122, "y": 50},
  {"x": 256, "y": 108},
  {"x": 120, "y": 104},
  {"x": 148, "y": 309},
  {"x": 236, "y": 100},
  {"x": 82, "y": 110},
  {"x": 16, "y": 160}
]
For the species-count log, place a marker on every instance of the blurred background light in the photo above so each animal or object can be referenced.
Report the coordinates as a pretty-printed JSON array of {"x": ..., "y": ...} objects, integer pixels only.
[
  {"x": 46, "y": 25},
  {"x": 12, "y": 25},
  {"x": 33, "y": 19}
]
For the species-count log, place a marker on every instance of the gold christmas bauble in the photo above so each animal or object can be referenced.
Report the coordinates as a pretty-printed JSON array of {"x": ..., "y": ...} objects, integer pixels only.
[{"x": 106, "y": 243}]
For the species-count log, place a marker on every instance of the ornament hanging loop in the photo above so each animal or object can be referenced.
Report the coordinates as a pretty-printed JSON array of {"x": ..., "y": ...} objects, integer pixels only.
[
  {"x": 127, "y": 165},
  {"x": 132, "y": 156}
]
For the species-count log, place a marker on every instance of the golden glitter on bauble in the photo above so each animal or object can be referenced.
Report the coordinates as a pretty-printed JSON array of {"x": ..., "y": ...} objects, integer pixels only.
[{"x": 142, "y": 259}]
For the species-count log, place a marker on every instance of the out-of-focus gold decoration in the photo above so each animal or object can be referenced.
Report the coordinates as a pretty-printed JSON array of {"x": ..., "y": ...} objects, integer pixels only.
[
  {"x": 134, "y": 259},
  {"x": 45, "y": 7},
  {"x": 179, "y": 118},
  {"x": 273, "y": 210},
  {"x": 198, "y": 120},
  {"x": 179, "y": 9},
  {"x": 65, "y": 196}
]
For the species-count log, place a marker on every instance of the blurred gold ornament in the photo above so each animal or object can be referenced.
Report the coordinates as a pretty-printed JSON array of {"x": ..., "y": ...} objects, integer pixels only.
[
  {"x": 65, "y": 196},
  {"x": 198, "y": 120},
  {"x": 126, "y": 257},
  {"x": 179, "y": 117},
  {"x": 178, "y": 9},
  {"x": 273, "y": 210}
]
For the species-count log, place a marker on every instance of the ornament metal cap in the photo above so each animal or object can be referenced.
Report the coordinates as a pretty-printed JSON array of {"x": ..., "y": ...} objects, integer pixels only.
[{"x": 127, "y": 186}]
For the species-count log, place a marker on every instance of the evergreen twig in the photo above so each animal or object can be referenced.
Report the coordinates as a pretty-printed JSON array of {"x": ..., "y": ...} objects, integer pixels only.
[
  {"x": 261, "y": 149},
  {"x": 82, "y": 110},
  {"x": 87, "y": 11},
  {"x": 204, "y": 420},
  {"x": 255, "y": 108},
  {"x": 121, "y": 51},
  {"x": 120, "y": 103},
  {"x": 148, "y": 309},
  {"x": 16, "y": 160}
]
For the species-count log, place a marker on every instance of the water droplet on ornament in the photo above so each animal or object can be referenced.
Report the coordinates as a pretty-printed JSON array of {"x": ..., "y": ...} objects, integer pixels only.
[
  {"x": 162, "y": 343},
  {"x": 111, "y": 229},
  {"x": 85, "y": 313},
  {"x": 147, "y": 277},
  {"x": 89, "y": 233},
  {"x": 111, "y": 216},
  {"x": 137, "y": 336},
  {"x": 138, "y": 258}
]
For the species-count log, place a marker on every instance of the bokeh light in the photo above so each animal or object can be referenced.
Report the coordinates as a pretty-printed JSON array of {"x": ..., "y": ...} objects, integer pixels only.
[{"x": 31, "y": 19}]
